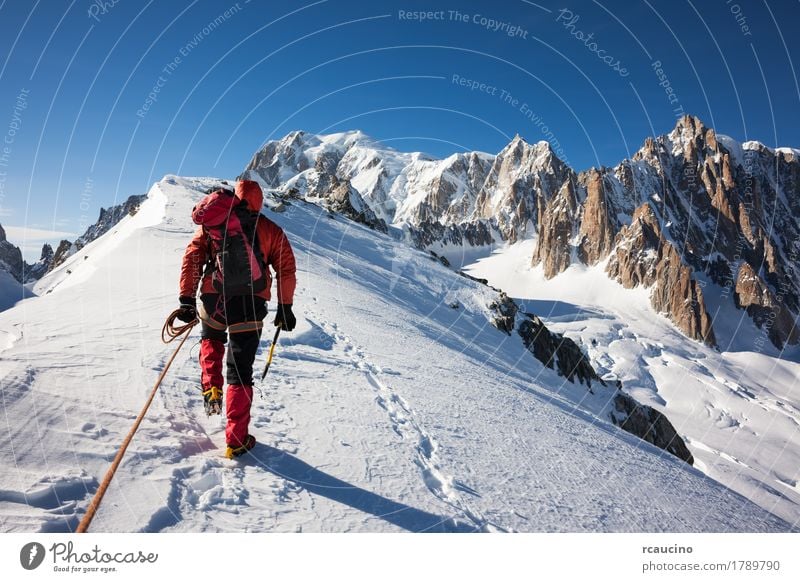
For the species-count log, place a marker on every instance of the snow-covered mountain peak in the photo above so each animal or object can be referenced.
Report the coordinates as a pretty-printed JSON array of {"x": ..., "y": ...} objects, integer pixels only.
[
  {"x": 687, "y": 128},
  {"x": 412, "y": 188},
  {"x": 734, "y": 148},
  {"x": 756, "y": 146},
  {"x": 689, "y": 135},
  {"x": 311, "y": 143},
  {"x": 737, "y": 149},
  {"x": 348, "y": 139},
  {"x": 791, "y": 154},
  {"x": 520, "y": 150}
]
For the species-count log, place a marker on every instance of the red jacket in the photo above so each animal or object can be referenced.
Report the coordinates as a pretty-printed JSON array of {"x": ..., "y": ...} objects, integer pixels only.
[{"x": 274, "y": 246}]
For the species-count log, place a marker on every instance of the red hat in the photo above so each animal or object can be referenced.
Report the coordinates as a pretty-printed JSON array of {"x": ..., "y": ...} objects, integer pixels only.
[{"x": 250, "y": 192}]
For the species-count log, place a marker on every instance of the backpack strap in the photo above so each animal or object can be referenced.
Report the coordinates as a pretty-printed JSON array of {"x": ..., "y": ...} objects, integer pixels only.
[{"x": 209, "y": 255}]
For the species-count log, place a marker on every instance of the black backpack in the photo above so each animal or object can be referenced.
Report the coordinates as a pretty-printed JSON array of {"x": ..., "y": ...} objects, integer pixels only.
[{"x": 236, "y": 262}]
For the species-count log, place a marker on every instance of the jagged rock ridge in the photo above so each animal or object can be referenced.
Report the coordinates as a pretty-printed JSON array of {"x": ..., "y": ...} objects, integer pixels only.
[
  {"x": 565, "y": 356},
  {"x": 689, "y": 209},
  {"x": 10, "y": 257}
]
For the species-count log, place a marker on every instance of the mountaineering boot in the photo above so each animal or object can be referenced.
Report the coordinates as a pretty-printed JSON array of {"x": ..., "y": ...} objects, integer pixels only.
[
  {"x": 211, "y": 353},
  {"x": 234, "y": 451},
  {"x": 212, "y": 400},
  {"x": 238, "y": 398}
]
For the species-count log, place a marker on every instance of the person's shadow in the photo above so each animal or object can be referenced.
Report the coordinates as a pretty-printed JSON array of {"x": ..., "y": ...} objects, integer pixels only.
[{"x": 318, "y": 482}]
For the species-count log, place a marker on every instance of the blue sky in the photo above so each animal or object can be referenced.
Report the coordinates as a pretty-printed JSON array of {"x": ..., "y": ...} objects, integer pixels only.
[{"x": 100, "y": 99}]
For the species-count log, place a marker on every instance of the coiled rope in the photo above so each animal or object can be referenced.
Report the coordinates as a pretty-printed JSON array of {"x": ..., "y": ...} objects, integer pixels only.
[{"x": 169, "y": 333}]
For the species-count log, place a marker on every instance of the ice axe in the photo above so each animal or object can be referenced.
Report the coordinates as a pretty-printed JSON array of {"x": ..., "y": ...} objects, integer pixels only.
[{"x": 271, "y": 352}]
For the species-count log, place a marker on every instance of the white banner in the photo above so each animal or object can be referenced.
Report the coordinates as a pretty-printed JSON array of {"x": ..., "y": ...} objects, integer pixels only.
[{"x": 419, "y": 557}]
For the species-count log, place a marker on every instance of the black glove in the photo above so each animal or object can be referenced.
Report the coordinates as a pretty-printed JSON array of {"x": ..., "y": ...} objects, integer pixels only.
[
  {"x": 284, "y": 318},
  {"x": 188, "y": 309}
]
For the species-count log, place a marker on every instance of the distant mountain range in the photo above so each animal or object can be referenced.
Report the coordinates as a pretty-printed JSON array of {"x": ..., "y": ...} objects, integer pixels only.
[
  {"x": 691, "y": 213},
  {"x": 11, "y": 256}
]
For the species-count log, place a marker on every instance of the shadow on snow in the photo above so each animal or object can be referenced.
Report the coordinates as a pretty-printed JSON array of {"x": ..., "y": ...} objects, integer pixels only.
[{"x": 320, "y": 483}]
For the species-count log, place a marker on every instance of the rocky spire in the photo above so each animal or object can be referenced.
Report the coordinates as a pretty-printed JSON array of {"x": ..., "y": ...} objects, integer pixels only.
[
  {"x": 596, "y": 230},
  {"x": 643, "y": 256},
  {"x": 556, "y": 231}
]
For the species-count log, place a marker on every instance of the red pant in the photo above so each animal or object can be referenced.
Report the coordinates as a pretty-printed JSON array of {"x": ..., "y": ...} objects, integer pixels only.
[
  {"x": 238, "y": 397},
  {"x": 237, "y": 405},
  {"x": 241, "y": 353}
]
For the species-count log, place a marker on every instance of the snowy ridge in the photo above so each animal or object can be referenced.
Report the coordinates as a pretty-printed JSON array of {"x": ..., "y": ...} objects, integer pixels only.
[
  {"x": 412, "y": 189},
  {"x": 738, "y": 410},
  {"x": 363, "y": 426},
  {"x": 399, "y": 187}
]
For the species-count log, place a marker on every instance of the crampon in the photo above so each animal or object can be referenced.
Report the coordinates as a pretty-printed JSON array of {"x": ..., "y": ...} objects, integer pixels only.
[{"x": 212, "y": 400}]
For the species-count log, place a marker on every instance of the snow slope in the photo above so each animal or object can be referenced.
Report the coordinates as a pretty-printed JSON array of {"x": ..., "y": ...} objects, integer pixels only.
[
  {"x": 385, "y": 410},
  {"x": 737, "y": 409},
  {"x": 11, "y": 290}
]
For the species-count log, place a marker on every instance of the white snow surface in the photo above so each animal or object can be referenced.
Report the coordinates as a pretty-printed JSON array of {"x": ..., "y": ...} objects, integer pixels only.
[
  {"x": 738, "y": 408},
  {"x": 737, "y": 149},
  {"x": 734, "y": 147},
  {"x": 387, "y": 409}
]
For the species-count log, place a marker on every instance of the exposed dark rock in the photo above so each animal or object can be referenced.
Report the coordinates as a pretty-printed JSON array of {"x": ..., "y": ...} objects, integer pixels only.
[
  {"x": 109, "y": 217},
  {"x": 596, "y": 229},
  {"x": 475, "y": 234},
  {"x": 649, "y": 425},
  {"x": 719, "y": 271},
  {"x": 642, "y": 256},
  {"x": 37, "y": 270},
  {"x": 556, "y": 351},
  {"x": 346, "y": 200},
  {"x": 64, "y": 250},
  {"x": 522, "y": 179},
  {"x": 754, "y": 295},
  {"x": 10, "y": 257},
  {"x": 506, "y": 310},
  {"x": 556, "y": 231},
  {"x": 476, "y": 279},
  {"x": 275, "y": 156},
  {"x": 441, "y": 259}
]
